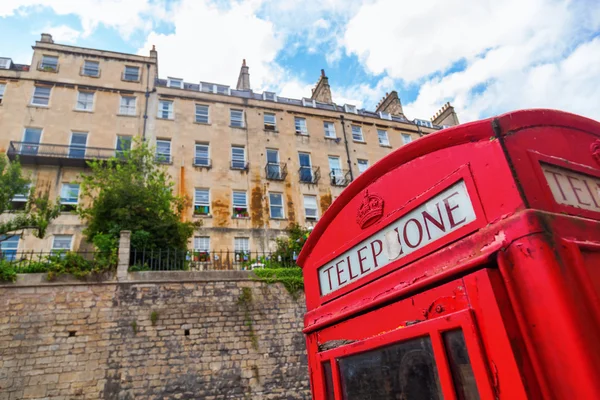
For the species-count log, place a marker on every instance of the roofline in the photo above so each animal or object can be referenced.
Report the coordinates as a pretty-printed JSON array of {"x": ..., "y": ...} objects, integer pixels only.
[
  {"x": 449, "y": 137},
  {"x": 42, "y": 45}
]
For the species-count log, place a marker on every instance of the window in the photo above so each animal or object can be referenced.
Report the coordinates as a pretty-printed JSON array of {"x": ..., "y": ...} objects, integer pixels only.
[
  {"x": 385, "y": 115},
  {"x": 270, "y": 122},
  {"x": 207, "y": 87},
  {"x": 19, "y": 200},
  {"x": 131, "y": 74},
  {"x": 9, "y": 247},
  {"x": 406, "y": 138},
  {"x": 460, "y": 365},
  {"x": 422, "y": 122},
  {"x": 300, "y": 126},
  {"x": 49, "y": 63},
  {"x": 350, "y": 108},
  {"x": 383, "y": 137},
  {"x": 201, "y": 158},
  {"x": 202, "y": 248},
  {"x": 31, "y": 141},
  {"x": 202, "y": 202},
  {"x": 357, "y": 134},
  {"x": 78, "y": 144},
  {"x": 201, "y": 114},
  {"x": 270, "y": 96},
  {"x": 2, "y": 89},
  {"x": 128, "y": 105},
  {"x": 85, "y": 101},
  {"x": 276, "y": 205},
  {"x": 91, "y": 68},
  {"x": 238, "y": 157},
  {"x": 5, "y": 63},
  {"x": 309, "y": 103},
  {"x": 236, "y": 118},
  {"x": 123, "y": 145},
  {"x": 175, "y": 83},
  {"x": 61, "y": 243},
  {"x": 241, "y": 246},
  {"x": 163, "y": 151},
  {"x": 221, "y": 89},
  {"x": 240, "y": 204},
  {"x": 69, "y": 196},
  {"x": 306, "y": 171},
  {"x": 310, "y": 206},
  {"x": 273, "y": 166},
  {"x": 329, "y": 129},
  {"x": 362, "y": 165},
  {"x": 165, "y": 109},
  {"x": 41, "y": 96}
]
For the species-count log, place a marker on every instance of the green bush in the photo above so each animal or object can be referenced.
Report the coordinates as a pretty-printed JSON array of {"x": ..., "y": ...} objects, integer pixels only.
[
  {"x": 7, "y": 271},
  {"x": 290, "y": 277}
]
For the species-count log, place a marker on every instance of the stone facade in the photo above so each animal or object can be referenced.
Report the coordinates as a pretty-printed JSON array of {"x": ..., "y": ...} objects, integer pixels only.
[
  {"x": 222, "y": 338},
  {"x": 198, "y": 124}
]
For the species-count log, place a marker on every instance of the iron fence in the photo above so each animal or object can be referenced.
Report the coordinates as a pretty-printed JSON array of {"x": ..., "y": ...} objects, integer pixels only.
[
  {"x": 199, "y": 260},
  {"x": 31, "y": 261}
]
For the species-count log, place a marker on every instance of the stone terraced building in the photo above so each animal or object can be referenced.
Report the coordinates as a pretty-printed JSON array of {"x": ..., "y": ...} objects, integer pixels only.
[{"x": 251, "y": 163}]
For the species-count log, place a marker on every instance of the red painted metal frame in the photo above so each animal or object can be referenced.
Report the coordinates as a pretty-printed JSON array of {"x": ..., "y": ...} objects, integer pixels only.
[{"x": 464, "y": 174}]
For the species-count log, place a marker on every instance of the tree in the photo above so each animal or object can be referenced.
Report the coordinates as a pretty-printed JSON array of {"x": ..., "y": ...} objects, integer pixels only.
[
  {"x": 38, "y": 210},
  {"x": 288, "y": 248},
  {"x": 133, "y": 192}
]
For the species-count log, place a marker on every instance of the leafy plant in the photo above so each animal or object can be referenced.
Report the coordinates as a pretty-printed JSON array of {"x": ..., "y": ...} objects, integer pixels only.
[
  {"x": 154, "y": 317},
  {"x": 7, "y": 272},
  {"x": 291, "y": 278}
]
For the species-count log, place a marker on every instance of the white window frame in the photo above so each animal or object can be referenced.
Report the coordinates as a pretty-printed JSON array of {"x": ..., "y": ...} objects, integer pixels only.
[
  {"x": 43, "y": 63},
  {"x": 276, "y": 206},
  {"x": 329, "y": 131},
  {"x": 201, "y": 203},
  {"x": 241, "y": 245},
  {"x": 33, "y": 97},
  {"x": 198, "y": 112},
  {"x": 55, "y": 249},
  {"x": 349, "y": 108},
  {"x": 196, "y": 157},
  {"x": 163, "y": 154},
  {"x": 7, "y": 248},
  {"x": 236, "y": 122},
  {"x": 423, "y": 122},
  {"x": 202, "y": 244},
  {"x": 85, "y": 105},
  {"x": 68, "y": 201},
  {"x": 2, "y": 91},
  {"x": 175, "y": 83},
  {"x": 406, "y": 138},
  {"x": 236, "y": 158},
  {"x": 361, "y": 162},
  {"x": 309, "y": 103},
  {"x": 270, "y": 126},
  {"x": 125, "y": 74},
  {"x": 85, "y": 67},
  {"x": 117, "y": 151},
  {"x": 78, "y": 146},
  {"x": 239, "y": 205},
  {"x": 385, "y": 115},
  {"x": 270, "y": 96},
  {"x": 357, "y": 134},
  {"x": 169, "y": 110},
  {"x": 5, "y": 63},
  {"x": 125, "y": 108},
  {"x": 22, "y": 197},
  {"x": 300, "y": 126},
  {"x": 316, "y": 209},
  {"x": 385, "y": 143}
]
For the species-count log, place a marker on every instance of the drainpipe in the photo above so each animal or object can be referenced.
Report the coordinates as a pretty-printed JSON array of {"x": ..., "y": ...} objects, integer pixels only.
[
  {"x": 347, "y": 149},
  {"x": 147, "y": 95}
]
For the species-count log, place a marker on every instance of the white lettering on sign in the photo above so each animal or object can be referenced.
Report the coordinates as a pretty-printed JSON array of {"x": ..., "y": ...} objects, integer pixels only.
[
  {"x": 434, "y": 219},
  {"x": 573, "y": 188}
]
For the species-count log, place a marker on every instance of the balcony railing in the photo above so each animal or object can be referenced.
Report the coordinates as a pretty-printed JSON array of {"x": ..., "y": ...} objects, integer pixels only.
[
  {"x": 239, "y": 165},
  {"x": 164, "y": 159},
  {"x": 202, "y": 162},
  {"x": 276, "y": 171},
  {"x": 309, "y": 174},
  {"x": 339, "y": 177},
  {"x": 57, "y": 154}
]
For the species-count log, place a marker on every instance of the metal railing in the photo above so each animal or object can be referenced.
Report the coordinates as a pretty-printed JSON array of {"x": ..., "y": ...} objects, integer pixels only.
[
  {"x": 32, "y": 261},
  {"x": 199, "y": 260},
  {"x": 276, "y": 171},
  {"x": 339, "y": 177},
  {"x": 202, "y": 162},
  {"x": 239, "y": 165},
  {"x": 30, "y": 152},
  {"x": 309, "y": 174}
]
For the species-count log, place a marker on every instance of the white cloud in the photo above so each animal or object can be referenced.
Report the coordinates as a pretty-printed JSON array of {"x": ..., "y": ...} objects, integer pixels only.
[{"x": 62, "y": 33}]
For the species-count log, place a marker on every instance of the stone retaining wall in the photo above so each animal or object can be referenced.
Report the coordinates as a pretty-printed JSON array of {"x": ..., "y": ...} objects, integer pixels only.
[{"x": 157, "y": 336}]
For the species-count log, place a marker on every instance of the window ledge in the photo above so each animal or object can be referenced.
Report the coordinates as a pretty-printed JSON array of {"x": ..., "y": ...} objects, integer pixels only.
[
  {"x": 302, "y": 134},
  {"x": 278, "y": 219},
  {"x": 271, "y": 130},
  {"x": 91, "y": 76},
  {"x": 83, "y": 111},
  {"x": 202, "y": 215},
  {"x": 131, "y": 80},
  {"x": 237, "y": 127},
  {"x": 385, "y": 145},
  {"x": 37, "y": 106},
  {"x": 128, "y": 115},
  {"x": 359, "y": 141},
  {"x": 165, "y": 119},
  {"x": 332, "y": 138},
  {"x": 202, "y": 123},
  {"x": 311, "y": 219},
  {"x": 240, "y": 217}
]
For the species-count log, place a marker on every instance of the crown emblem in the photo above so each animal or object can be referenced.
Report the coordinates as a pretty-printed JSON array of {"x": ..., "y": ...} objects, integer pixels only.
[
  {"x": 595, "y": 150},
  {"x": 370, "y": 210}
]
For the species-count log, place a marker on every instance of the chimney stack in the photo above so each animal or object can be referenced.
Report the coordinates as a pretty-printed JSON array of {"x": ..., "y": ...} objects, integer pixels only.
[
  {"x": 322, "y": 91},
  {"x": 390, "y": 104},
  {"x": 445, "y": 116},
  {"x": 46, "y": 38},
  {"x": 244, "y": 78}
]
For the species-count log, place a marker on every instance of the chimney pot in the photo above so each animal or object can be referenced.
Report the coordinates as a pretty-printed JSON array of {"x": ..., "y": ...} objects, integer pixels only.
[
  {"x": 46, "y": 38},
  {"x": 323, "y": 73},
  {"x": 244, "y": 62},
  {"x": 153, "y": 48}
]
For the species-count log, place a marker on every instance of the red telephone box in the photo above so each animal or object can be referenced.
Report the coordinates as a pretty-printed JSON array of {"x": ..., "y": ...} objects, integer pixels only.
[{"x": 465, "y": 265}]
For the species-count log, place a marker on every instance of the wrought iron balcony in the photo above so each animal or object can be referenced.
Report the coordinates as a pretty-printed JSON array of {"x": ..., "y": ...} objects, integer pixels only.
[
  {"x": 239, "y": 165},
  {"x": 276, "y": 171},
  {"x": 309, "y": 174},
  {"x": 339, "y": 177},
  {"x": 56, "y": 154}
]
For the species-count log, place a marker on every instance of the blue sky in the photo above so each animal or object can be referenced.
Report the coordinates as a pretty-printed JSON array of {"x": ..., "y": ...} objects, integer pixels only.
[{"x": 484, "y": 57}]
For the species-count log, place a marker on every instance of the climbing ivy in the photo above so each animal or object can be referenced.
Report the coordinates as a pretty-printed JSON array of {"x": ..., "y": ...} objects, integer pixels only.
[{"x": 290, "y": 277}]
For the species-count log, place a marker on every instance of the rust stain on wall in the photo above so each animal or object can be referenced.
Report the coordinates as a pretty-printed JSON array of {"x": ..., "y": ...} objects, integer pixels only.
[
  {"x": 256, "y": 207},
  {"x": 290, "y": 208},
  {"x": 325, "y": 202},
  {"x": 220, "y": 212}
]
